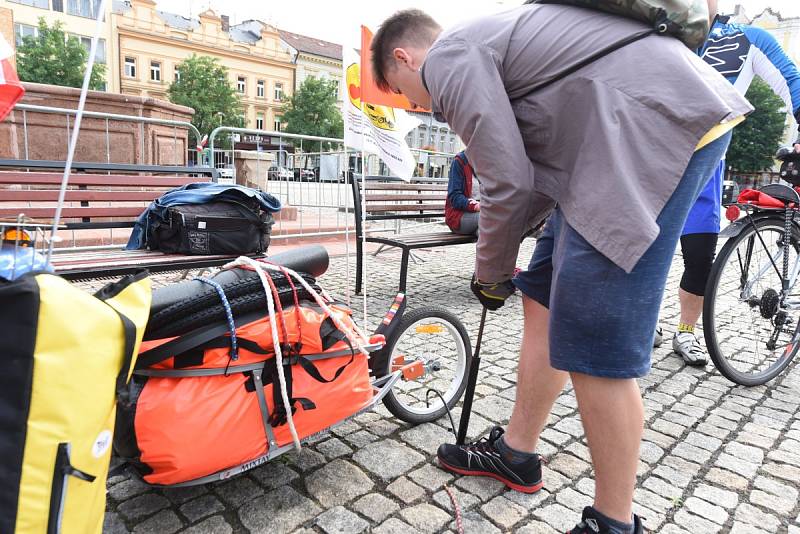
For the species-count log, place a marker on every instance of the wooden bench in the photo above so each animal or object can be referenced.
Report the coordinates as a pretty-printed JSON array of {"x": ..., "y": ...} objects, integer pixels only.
[
  {"x": 386, "y": 199},
  {"x": 101, "y": 202}
]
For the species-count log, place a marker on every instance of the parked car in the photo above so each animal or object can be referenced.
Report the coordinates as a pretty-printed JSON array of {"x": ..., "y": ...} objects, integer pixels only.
[
  {"x": 304, "y": 175},
  {"x": 730, "y": 192},
  {"x": 279, "y": 173}
]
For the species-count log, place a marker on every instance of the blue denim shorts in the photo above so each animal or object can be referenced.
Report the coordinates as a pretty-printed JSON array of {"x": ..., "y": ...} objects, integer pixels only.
[{"x": 602, "y": 319}]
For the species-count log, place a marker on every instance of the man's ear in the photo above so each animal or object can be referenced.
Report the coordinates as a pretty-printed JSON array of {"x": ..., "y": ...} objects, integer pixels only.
[{"x": 402, "y": 57}]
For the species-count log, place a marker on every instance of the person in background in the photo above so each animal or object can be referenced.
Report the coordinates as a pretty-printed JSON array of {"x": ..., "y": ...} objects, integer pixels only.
[
  {"x": 738, "y": 52},
  {"x": 461, "y": 209}
]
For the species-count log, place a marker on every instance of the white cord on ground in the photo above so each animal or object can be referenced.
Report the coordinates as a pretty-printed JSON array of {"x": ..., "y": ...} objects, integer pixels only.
[{"x": 456, "y": 509}]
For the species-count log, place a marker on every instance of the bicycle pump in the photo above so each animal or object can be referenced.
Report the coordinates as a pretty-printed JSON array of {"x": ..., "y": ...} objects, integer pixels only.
[{"x": 469, "y": 393}]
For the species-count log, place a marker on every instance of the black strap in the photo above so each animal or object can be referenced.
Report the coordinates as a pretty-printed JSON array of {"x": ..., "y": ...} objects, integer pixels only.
[
  {"x": 128, "y": 327},
  {"x": 191, "y": 340},
  {"x": 309, "y": 367},
  {"x": 329, "y": 334},
  {"x": 589, "y": 60},
  {"x": 123, "y": 395}
]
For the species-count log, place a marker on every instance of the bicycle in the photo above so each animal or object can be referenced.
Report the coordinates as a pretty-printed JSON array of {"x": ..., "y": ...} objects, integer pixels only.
[{"x": 751, "y": 312}]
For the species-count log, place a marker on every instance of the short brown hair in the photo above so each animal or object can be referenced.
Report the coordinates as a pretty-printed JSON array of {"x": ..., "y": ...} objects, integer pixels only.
[{"x": 404, "y": 28}]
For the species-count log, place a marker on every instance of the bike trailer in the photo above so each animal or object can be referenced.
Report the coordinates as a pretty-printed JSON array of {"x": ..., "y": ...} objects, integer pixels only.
[
  {"x": 66, "y": 355},
  {"x": 215, "y": 401}
]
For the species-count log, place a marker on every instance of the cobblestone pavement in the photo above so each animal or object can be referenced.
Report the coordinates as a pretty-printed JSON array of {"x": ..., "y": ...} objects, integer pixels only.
[{"x": 715, "y": 458}]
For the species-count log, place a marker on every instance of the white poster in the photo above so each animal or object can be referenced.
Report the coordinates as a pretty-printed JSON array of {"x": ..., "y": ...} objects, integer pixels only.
[{"x": 376, "y": 129}]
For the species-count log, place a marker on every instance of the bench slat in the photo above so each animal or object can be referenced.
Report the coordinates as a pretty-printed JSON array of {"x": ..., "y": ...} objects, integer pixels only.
[
  {"x": 73, "y": 213},
  {"x": 40, "y": 195},
  {"x": 383, "y": 198},
  {"x": 120, "y": 180},
  {"x": 405, "y": 187},
  {"x": 436, "y": 209},
  {"x": 440, "y": 239}
]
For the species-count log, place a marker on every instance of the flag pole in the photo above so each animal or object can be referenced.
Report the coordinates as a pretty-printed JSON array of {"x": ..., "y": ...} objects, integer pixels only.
[
  {"x": 73, "y": 142},
  {"x": 364, "y": 277}
]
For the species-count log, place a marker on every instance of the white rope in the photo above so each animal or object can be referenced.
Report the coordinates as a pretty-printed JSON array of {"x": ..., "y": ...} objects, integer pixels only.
[
  {"x": 355, "y": 340},
  {"x": 245, "y": 261},
  {"x": 73, "y": 142},
  {"x": 353, "y": 333}
]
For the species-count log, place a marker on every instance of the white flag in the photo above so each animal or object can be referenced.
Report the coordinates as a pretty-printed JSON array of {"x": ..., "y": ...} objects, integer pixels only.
[{"x": 376, "y": 129}]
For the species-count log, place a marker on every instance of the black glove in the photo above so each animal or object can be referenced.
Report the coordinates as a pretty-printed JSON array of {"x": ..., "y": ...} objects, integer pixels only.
[{"x": 492, "y": 294}]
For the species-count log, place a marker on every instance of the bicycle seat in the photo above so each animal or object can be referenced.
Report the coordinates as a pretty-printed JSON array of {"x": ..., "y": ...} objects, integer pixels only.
[
  {"x": 782, "y": 192},
  {"x": 312, "y": 259}
]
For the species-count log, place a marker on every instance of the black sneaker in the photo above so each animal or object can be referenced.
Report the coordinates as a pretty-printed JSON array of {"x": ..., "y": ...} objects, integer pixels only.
[
  {"x": 482, "y": 458},
  {"x": 591, "y": 524}
]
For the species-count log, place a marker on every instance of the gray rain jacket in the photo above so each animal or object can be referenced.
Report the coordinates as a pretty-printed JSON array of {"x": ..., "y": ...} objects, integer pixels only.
[{"x": 608, "y": 143}]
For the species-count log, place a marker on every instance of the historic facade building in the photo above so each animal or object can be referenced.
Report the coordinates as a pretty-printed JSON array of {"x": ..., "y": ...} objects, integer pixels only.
[{"x": 151, "y": 43}]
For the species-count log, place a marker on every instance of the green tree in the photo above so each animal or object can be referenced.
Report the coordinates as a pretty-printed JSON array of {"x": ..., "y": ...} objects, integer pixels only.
[
  {"x": 313, "y": 110},
  {"x": 204, "y": 86},
  {"x": 755, "y": 140},
  {"x": 52, "y": 57}
]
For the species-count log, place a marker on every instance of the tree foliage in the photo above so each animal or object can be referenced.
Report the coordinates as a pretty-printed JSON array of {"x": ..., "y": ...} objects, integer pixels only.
[
  {"x": 52, "y": 57},
  {"x": 204, "y": 86},
  {"x": 755, "y": 140},
  {"x": 313, "y": 110}
]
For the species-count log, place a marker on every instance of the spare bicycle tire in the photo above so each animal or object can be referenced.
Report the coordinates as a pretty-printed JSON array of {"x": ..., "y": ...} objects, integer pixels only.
[{"x": 244, "y": 295}]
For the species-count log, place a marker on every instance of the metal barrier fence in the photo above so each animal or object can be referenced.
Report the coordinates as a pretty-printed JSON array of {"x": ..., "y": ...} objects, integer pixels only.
[
  {"x": 106, "y": 117},
  {"x": 311, "y": 174}
]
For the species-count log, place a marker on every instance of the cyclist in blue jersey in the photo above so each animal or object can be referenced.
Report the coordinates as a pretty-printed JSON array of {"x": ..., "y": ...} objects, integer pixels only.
[{"x": 738, "y": 52}]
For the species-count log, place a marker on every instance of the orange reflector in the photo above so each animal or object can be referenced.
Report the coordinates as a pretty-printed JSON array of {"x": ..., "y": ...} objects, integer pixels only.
[
  {"x": 398, "y": 362},
  {"x": 430, "y": 329},
  {"x": 16, "y": 236},
  {"x": 732, "y": 213},
  {"x": 377, "y": 339},
  {"x": 413, "y": 370}
]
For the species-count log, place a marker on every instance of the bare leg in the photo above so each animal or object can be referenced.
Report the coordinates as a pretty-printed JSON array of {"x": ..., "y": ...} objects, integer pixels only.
[
  {"x": 613, "y": 419},
  {"x": 691, "y": 307},
  {"x": 538, "y": 384}
]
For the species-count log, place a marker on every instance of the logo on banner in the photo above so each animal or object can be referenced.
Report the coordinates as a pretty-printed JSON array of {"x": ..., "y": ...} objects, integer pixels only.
[{"x": 381, "y": 116}]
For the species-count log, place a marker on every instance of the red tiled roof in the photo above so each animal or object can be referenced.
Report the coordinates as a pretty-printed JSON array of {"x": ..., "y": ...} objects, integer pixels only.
[{"x": 312, "y": 45}]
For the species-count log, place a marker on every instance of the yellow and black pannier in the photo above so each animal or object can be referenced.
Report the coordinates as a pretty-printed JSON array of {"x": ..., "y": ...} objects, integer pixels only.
[{"x": 65, "y": 356}]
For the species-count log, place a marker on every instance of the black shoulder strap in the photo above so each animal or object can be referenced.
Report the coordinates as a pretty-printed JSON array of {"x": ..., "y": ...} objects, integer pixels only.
[{"x": 591, "y": 59}]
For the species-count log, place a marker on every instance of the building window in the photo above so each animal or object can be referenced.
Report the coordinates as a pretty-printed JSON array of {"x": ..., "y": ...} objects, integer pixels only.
[
  {"x": 83, "y": 8},
  {"x": 277, "y": 124},
  {"x": 23, "y": 30},
  {"x": 177, "y": 74},
  {"x": 421, "y": 139},
  {"x": 336, "y": 88},
  {"x": 101, "y": 47},
  {"x": 42, "y": 4},
  {"x": 259, "y": 121},
  {"x": 241, "y": 82},
  {"x": 278, "y": 93},
  {"x": 130, "y": 67},
  {"x": 155, "y": 71},
  {"x": 260, "y": 85}
]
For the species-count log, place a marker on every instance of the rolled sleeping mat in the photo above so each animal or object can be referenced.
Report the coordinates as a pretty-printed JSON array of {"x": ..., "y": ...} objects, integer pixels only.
[{"x": 311, "y": 259}]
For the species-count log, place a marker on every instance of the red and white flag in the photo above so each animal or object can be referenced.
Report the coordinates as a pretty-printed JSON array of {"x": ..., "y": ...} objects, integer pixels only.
[{"x": 10, "y": 88}]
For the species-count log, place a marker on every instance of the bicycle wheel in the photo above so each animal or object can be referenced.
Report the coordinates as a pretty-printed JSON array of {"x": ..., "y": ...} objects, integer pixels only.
[
  {"x": 748, "y": 329},
  {"x": 435, "y": 337}
]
